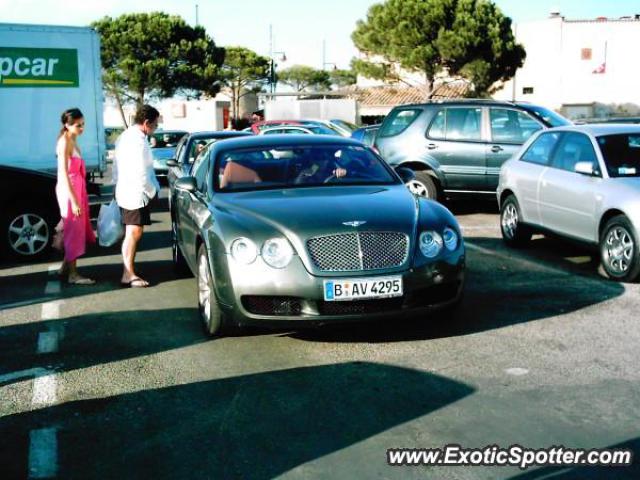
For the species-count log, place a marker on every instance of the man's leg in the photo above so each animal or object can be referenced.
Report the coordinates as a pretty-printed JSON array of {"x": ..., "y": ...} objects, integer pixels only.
[{"x": 133, "y": 234}]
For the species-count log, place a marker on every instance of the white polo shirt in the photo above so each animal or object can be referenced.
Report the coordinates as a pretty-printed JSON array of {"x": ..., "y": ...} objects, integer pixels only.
[{"x": 133, "y": 174}]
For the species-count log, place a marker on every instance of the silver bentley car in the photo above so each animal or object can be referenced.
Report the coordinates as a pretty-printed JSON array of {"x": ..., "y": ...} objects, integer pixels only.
[
  {"x": 310, "y": 228},
  {"x": 582, "y": 182}
]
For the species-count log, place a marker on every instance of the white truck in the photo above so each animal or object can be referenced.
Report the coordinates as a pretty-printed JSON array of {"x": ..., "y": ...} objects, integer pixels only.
[{"x": 45, "y": 70}]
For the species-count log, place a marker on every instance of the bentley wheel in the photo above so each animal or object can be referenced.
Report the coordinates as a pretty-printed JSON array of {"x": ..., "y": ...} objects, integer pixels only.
[
  {"x": 514, "y": 232},
  {"x": 619, "y": 250},
  {"x": 213, "y": 318},
  {"x": 179, "y": 263},
  {"x": 423, "y": 186}
]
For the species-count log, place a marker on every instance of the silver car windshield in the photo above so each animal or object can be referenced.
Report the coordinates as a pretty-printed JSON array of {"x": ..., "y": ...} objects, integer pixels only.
[
  {"x": 621, "y": 154},
  {"x": 299, "y": 166}
]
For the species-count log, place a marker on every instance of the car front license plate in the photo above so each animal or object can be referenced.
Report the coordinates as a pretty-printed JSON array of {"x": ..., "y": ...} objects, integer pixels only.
[{"x": 362, "y": 288}]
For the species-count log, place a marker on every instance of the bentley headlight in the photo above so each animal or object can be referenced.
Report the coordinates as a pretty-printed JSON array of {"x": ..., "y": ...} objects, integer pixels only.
[
  {"x": 450, "y": 238},
  {"x": 244, "y": 250},
  {"x": 277, "y": 252},
  {"x": 430, "y": 243}
]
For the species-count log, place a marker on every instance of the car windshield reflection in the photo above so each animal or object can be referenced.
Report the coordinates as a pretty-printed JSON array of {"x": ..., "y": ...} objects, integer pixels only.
[{"x": 292, "y": 167}]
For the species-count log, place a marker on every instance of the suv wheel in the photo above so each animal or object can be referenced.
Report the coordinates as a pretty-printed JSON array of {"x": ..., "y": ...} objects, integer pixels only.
[
  {"x": 514, "y": 233},
  {"x": 619, "y": 250},
  {"x": 423, "y": 186}
]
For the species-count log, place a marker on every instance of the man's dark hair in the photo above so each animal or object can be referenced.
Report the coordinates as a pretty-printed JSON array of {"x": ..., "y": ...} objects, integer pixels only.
[{"x": 146, "y": 112}]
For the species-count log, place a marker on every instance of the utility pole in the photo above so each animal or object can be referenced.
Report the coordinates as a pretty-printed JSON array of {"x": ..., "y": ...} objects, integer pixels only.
[{"x": 196, "y": 14}]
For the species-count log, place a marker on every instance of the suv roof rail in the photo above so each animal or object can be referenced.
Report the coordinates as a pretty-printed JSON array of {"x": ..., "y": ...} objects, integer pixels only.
[{"x": 462, "y": 100}]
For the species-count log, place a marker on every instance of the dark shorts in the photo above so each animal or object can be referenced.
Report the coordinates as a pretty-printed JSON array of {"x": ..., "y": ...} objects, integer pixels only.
[{"x": 139, "y": 216}]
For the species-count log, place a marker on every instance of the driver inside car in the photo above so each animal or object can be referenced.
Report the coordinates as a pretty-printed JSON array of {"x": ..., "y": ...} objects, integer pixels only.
[{"x": 319, "y": 170}]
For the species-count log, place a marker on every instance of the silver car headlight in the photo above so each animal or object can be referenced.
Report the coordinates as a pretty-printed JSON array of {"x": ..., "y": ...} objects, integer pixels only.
[
  {"x": 277, "y": 252},
  {"x": 450, "y": 238},
  {"x": 244, "y": 250},
  {"x": 430, "y": 243}
]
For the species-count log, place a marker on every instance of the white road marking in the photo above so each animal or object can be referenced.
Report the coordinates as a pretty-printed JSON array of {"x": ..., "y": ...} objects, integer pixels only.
[
  {"x": 53, "y": 268},
  {"x": 48, "y": 342},
  {"x": 44, "y": 391},
  {"x": 50, "y": 310},
  {"x": 516, "y": 371},
  {"x": 43, "y": 453},
  {"x": 521, "y": 261},
  {"x": 52, "y": 288},
  {"x": 32, "y": 372}
]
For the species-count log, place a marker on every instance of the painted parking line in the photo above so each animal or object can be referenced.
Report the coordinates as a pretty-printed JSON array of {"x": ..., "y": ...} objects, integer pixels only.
[
  {"x": 43, "y": 453},
  {"x": 525, "y": 263},
  {"x": 45, "y": 391}
]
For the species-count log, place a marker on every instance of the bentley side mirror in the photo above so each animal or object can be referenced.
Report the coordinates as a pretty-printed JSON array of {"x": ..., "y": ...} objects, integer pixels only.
[
  {"x": 406, "y": 174},
  {"x": 587, "y": 168},
  {"x": 172, "y": 163},
  {"x": 186, "y": 184}
]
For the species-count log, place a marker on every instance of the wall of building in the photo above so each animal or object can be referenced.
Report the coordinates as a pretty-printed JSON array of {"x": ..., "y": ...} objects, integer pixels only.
[{"x": 562, "y": 56}]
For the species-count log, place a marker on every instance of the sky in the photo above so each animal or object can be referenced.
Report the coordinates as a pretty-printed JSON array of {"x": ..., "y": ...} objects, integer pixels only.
[{"x": 300, "y": 28}]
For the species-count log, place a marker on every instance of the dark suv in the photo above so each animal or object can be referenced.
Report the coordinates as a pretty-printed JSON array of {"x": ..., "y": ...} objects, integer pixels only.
[{"x": 458, "y": 146}]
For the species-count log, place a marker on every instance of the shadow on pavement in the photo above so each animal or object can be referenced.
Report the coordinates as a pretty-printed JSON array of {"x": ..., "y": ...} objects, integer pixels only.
[
  {"x": 254, "y": 426},
  {"x": 97, "y": 339}
]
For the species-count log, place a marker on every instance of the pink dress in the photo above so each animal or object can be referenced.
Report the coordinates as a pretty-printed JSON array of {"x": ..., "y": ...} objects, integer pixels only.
[{"x": 77, "y": 230}]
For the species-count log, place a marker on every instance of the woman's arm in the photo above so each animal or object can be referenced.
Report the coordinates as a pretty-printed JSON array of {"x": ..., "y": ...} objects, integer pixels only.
[{"x": 63, "y": 151}]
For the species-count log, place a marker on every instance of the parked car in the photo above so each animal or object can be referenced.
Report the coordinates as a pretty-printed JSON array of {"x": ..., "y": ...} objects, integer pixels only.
[
  {"x": 297, "y": 130},
  {"x": 323, "y": 127},
  {"x": 273, "y": 232},
  {"x": 366, "y": 135},
  {"x": 582, "y": 182},
  {"x": 163, "y": 148},
  {"x": 111, "y": 134},
  {"x": 189, "y": 147},
  {"x": 29, "y": 212},
  {"x": 458, "y": 146},
  {"x": 348, "y": 127}
]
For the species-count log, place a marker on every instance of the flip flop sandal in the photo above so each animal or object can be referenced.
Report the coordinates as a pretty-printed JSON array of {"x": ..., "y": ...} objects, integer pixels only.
[{"x": 135, "y": 283}]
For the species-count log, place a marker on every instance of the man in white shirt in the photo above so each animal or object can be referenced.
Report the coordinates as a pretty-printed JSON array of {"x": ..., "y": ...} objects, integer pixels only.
[{"x": 136, "y": 185}]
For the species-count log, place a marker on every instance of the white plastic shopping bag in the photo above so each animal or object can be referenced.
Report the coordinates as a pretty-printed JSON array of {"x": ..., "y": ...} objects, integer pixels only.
[{"x": 110, "y": 228}]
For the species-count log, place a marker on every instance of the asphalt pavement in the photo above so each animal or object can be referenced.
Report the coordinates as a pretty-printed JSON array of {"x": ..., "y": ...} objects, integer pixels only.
[{"x": 109, "y": 382}]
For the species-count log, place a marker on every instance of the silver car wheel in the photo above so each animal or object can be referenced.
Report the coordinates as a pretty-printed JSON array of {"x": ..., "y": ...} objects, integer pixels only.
[
  {"x": 418, "y": 188},
  {"x": 510, "y": 220},
  {"x": 28, "y": 234},
  {"x": 204, "y": 290},
  {"x": 619, "y": 249}
]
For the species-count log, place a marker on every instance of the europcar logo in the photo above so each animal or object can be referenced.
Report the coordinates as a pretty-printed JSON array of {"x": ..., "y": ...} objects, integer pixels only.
[{"x": 38, "y": 67}]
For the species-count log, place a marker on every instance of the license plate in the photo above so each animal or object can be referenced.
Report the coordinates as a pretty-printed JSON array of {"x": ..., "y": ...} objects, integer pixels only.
[{"x": 362, "y": 288}]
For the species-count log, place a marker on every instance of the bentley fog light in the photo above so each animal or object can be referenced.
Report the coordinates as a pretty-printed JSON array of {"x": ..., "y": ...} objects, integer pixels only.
[
  {"x": 430, "y": 243},
  {"x": 244, "y": 250},
  {"x": 277, "y": 252},
  {"x": 450, "y": 238}
]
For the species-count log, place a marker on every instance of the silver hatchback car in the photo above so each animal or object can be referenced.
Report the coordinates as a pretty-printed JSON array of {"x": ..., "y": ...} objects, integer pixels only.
[{"x": 582, "y": 182}]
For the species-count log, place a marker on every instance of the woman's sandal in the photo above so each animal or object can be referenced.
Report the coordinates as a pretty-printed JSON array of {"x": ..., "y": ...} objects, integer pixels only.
[{"x": 78, "y": 280}]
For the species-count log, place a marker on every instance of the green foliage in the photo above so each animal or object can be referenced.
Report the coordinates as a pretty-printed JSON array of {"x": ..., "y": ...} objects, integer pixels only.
[
  {"x": 469, "y": 38},
  {"x": 156, "y": 55},
  {"x": 342, "y": 78},
  {"x": 243, "y": 71},
  {"x": 302, "y": 78}
]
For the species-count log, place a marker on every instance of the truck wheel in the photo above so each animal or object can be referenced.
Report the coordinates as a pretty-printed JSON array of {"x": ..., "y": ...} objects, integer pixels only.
[
  {"x": 27, "y": 231},
  {"x": 423, "y": 186}
]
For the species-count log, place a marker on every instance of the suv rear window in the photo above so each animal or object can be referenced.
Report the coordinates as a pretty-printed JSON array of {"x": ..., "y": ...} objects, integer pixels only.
[{"x": 398, "y": 121}]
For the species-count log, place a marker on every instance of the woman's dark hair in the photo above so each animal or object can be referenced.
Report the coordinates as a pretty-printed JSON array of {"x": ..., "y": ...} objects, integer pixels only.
[
  {"x": 146, "y": 112},
  {"x": 68, "y": 117}
]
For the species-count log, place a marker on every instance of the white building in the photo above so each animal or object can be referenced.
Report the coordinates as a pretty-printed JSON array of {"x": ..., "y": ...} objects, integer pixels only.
[
  {"x": 584, "y": 68},
  {"x": 179, "y": 114}
]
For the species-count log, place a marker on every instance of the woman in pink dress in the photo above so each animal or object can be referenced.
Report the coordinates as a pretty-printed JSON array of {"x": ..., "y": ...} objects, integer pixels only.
[{"x": 73, "y": 200}]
